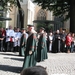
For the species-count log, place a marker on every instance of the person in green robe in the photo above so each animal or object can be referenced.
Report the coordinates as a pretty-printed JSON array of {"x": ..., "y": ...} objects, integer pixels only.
[
  {"x": 31, "y": 48},
  {"x": 42, "y": 46},
  {"x": 23, "y": 42}
]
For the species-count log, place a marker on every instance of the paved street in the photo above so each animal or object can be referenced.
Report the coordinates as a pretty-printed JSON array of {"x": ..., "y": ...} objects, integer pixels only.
[{"x": 56, "y": 64}]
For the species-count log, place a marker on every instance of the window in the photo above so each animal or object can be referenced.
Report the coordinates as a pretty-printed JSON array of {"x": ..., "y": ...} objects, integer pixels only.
[{"x": 41, "y": 15}]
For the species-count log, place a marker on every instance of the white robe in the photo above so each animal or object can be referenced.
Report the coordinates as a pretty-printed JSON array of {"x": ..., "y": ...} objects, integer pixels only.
[
  {"x": 50, "y": 44},
  {"x": 10, "y": 33},
  {"x": 17, "y": 39}
]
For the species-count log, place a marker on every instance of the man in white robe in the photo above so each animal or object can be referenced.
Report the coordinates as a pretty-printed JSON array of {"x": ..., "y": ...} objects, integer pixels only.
[
  {"x": 17, "y": 40},
  {"x": 10, "y": 39}
]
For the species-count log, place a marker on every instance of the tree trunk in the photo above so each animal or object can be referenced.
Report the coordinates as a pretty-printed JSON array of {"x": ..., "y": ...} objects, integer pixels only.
[{"x": 72, "y": 16}]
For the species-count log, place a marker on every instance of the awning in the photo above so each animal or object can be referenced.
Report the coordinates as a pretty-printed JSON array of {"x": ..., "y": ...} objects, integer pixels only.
[
  {"x": 43, "y": 21},
  {"x": 46, "y": 21}
]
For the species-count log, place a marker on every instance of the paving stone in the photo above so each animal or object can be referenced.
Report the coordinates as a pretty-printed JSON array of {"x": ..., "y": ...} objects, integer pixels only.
[{"x": 56, "y": 64}]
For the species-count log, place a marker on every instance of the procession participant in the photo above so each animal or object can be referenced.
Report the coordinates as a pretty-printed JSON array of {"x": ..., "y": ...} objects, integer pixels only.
[
  {"x": 42, "y": 46},
  {"x": 31, "y": 48},
  {"x": 10, "y": 39},
  {"x": 56, "y": 42},
  {"x": 50, "y": 41},
  {"x": 63, "y": 36},
  {"x": 17, "y": 39},
  {"x": 23, "y": 40}
]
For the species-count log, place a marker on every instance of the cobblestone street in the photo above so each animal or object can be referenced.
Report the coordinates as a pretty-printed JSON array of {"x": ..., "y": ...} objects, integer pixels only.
[{"x": 56, "y": 64}]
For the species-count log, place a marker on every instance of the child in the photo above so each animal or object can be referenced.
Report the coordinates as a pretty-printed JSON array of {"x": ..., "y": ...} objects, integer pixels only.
[{"x": 37, "y": 70}]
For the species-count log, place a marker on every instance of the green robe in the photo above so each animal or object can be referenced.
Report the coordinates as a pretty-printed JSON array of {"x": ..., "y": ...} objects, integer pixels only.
[
  {"x": 30, "y": 60},
  {"x": 42, "y": 48},
  {"x": 22, "y": 45}
]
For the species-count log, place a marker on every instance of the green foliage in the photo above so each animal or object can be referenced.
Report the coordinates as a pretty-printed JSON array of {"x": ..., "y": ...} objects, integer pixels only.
[
  {"x": 2, "y": 24},
  {"x": 5, "y": 6},
  {"x": 59, "y": 7},
  {"x": 40, "y": 25},
  {"x": 47, "y": 28}
]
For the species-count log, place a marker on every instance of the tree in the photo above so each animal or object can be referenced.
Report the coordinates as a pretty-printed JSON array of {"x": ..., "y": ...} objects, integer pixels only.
[
  {"x": 8, "y": 5},
  {"x": 60, "y": 8}
]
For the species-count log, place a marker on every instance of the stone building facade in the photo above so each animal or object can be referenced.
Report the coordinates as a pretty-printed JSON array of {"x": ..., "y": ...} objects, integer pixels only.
[{"x": 32, "y": 12}]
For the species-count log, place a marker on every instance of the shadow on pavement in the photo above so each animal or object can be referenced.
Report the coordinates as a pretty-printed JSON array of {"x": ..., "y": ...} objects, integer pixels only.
[
  {"x": 10, "y": 68},
  {"x": 9, "y": 54},
  {"x": 18, "y": 59}
]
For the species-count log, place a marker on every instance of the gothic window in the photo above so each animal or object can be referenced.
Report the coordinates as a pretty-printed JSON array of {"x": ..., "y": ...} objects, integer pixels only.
[{"x": 41, "y": 15}]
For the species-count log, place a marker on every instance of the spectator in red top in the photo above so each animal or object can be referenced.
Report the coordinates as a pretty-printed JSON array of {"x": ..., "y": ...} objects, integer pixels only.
[
  {"x": 3, "y": 32},
  {"x": 68, "y": 42}
]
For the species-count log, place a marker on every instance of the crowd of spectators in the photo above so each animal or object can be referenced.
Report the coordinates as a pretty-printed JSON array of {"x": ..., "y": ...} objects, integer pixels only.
[{"x": 58, "y": 41}]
